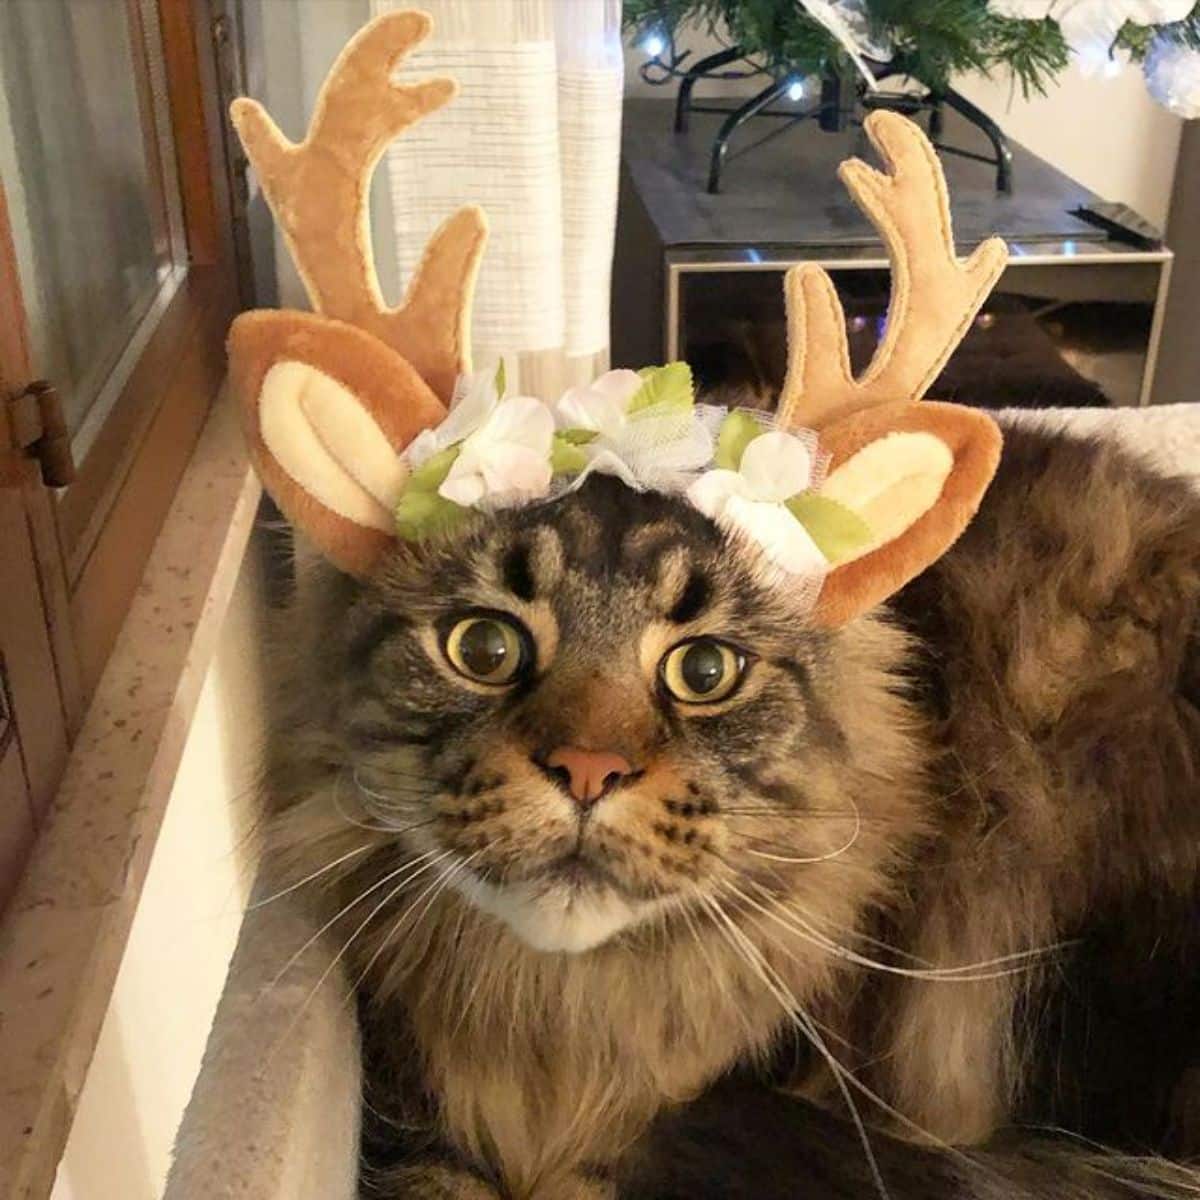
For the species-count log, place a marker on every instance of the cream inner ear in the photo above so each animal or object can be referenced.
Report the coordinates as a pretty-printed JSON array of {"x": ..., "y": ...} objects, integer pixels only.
[
  {"x": 322, "y": 436},
  {"x": 890, "y": 483}
]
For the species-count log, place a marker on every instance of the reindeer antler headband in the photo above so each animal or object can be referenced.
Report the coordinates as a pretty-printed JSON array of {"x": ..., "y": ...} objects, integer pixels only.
[{"x": 366, "y": 423}]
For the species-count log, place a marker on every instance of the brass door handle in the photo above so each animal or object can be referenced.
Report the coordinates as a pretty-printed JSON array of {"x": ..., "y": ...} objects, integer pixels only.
[{"x": 40, "y": 433}]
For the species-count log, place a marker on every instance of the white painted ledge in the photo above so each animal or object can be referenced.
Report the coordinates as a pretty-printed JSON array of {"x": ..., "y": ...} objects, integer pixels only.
[{"x": 275, "y": 1112}]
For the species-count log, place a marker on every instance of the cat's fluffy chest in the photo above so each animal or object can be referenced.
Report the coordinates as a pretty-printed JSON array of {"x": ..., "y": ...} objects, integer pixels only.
[{"x": 558, "y": 1061}]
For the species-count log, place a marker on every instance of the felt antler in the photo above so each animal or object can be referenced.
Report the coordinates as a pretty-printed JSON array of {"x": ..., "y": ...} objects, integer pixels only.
[
  {"x": 318, "y": 191},
  {"x": 914, "y": 472},
  {"x": 330, "y": 399},
  {"x": 934, "y": 295}
]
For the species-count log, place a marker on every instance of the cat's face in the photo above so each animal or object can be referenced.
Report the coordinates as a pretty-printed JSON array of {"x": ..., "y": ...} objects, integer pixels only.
[{"x": 597, "y": 710}]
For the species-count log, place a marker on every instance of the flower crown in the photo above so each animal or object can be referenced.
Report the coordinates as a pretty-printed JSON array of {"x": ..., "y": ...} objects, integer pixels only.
[
  {"x": 367, "y": 424},
  {"x": 495, "y": 451}
]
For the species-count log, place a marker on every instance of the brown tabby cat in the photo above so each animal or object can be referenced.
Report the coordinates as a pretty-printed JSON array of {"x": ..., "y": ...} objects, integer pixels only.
[{"x": 652, "y": 889}]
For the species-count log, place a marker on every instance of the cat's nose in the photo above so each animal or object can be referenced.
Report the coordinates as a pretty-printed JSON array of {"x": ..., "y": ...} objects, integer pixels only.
[{"x": 588, "y": 774}]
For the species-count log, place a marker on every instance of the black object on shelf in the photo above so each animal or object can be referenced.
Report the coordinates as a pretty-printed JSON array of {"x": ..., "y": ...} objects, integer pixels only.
[
  {"x": 1121, "y": 223},
  {"x": 841, "y": 100}
]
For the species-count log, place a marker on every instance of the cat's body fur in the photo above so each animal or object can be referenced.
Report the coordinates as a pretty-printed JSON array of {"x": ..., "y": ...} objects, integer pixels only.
[{"x": 1020, "y": 737}]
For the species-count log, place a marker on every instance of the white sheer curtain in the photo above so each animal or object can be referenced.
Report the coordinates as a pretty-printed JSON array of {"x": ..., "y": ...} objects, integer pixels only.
[{"x": 534, "y": 137}]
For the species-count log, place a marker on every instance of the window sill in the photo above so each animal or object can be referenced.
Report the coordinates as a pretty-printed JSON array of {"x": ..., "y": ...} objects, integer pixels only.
[{"x": 64, "y": 934}]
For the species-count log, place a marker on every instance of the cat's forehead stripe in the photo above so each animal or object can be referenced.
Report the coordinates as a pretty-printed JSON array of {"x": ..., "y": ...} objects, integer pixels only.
[
  {"x": 694, "y": 598},
  {"x": 682, "y": 589},
  {"x": 532, "y": 565},
  {"x": 516, "y": 572}
]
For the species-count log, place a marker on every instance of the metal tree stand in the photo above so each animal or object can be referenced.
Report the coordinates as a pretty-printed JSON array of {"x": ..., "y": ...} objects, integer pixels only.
[{"x": 836, "y": 109}]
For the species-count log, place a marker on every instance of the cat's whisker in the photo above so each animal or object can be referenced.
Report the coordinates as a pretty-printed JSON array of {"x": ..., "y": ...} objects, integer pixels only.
[
  {"x": 420, "y": 779},
  {"x": 1186, "y": 1178},
  {"x": 978, "y": 972},
  {"x": 333, "y": 962},
  {"x": 350, "y": 819},
  {"x": 806, "y": 814},
  {"x": 777, "y": 939},
  {"x": 423, "y": 790},
  {"x": 379, "y": 825},
  {"x": 291, "y": 962},
  {"x": 795, "y": 1012},
  {"x": 478, "y": 980},
  {"x": 844, "y": 1076},
  {"x": 435, "y": 888},
  {"x": 688, "y": 916},
  {"x": 867, "y": 939},
  {"x": 847, "y": 930},
  {"x": 819, "y": 858},
  {"x": 287, "y": 891}
]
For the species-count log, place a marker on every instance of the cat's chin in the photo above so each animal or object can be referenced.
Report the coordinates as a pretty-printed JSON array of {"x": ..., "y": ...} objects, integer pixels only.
[{"x": 561, "y": 918}]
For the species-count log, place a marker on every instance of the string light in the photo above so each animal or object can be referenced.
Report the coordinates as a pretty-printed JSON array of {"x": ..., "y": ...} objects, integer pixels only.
[
  {"x": 795, "y": 89},
  {"x": 654, "y": 44}
]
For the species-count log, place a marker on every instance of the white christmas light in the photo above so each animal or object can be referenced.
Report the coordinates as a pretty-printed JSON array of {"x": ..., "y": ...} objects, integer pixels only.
[
  {"x": 654, "y": 44},
  {"x": 796, "y": 90}
]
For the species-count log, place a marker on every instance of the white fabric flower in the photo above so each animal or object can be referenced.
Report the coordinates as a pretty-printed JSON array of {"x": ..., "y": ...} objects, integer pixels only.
[
  {"x": 654, "y": 448},
  {"x": 505, "y": 446},
  {"x": 601, "y": 405},
  {"x": 506, "y": 461},
  {"x": 475, "y": 398},
  {"x": 1173, "y": 76},
  {"x": 774, "y": 467}
]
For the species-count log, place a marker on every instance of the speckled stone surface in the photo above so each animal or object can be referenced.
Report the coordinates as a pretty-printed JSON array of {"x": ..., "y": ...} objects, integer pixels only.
[{"x": 63, "y": 936}]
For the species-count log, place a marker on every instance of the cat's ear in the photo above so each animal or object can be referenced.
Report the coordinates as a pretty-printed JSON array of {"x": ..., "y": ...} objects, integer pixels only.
[
  {"x": 326, "y": 409},
  {"x": 914, "y": 474}
]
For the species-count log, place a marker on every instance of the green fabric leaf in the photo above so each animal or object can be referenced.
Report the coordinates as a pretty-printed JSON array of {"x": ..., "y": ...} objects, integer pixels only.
[
  {"x": 578, "y": 437},
  {"x": 837, "y": 530},
  {"x": 501, "y": 379},
  {"x": 431, "y": 474},
  {"x": 737, "y": 431},
  {"x": 421, "y": 513},
  {"x": 663, "y": 387},
  {"x": 566, "y": 458}
]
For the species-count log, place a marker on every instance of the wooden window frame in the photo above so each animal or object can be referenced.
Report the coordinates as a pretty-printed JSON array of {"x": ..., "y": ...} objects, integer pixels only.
[
  {"x": 92, "y": 540},
  {"x": 72, "y": 561},
  {"x": 110, "y": 516}
]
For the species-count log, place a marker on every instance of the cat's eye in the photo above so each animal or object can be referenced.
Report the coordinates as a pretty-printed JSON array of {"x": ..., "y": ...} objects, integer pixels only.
[
  {"x": 702, "y": 671},
  {"x": 487, "y": 649}
]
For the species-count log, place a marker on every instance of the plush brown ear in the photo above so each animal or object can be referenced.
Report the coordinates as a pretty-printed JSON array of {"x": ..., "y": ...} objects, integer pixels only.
[
  {"x": 326, "y": 410},
  {"x": 915, "y": 473}
]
